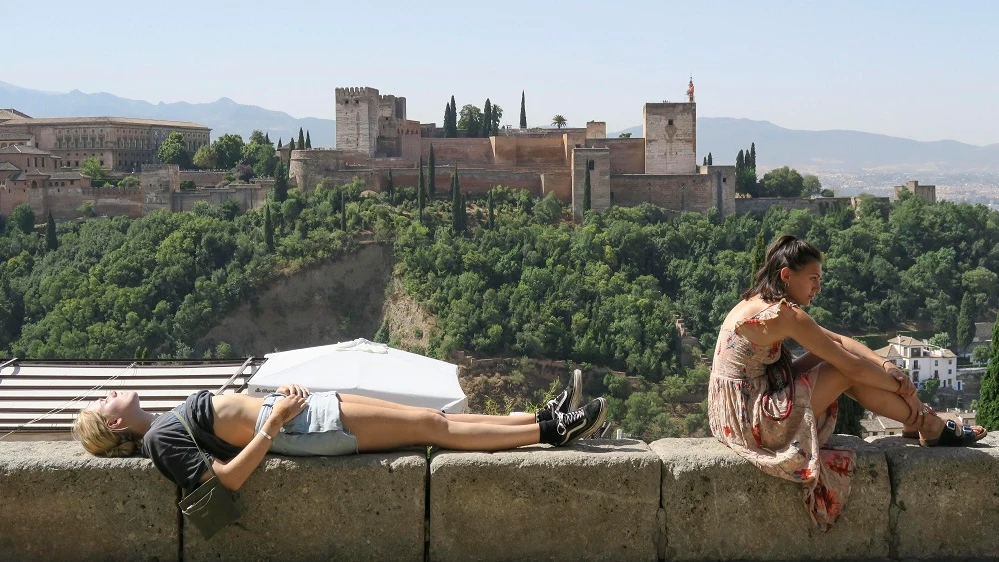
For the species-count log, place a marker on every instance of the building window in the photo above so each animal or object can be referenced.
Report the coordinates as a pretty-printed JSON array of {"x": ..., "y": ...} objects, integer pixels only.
[
  {"x": 915, "y": 376},
  {"x": 915, "y": 364},
  {"x": 936, "y": 362},
  {"x": 669, "y": 122},
  {"x": 589, "y": 165}
]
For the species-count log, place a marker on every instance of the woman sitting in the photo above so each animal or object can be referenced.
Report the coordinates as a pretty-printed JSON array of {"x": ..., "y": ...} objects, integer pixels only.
[
  {"x": 777, "y": 411},
  {"x": 237, "y": 430}
]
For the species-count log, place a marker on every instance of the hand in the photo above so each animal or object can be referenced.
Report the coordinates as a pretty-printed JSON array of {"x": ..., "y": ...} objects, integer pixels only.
[
  {"x": 906, "y": 386},
  {"x": 293, "y": 390},
  {"x": 286, "y": 409}
]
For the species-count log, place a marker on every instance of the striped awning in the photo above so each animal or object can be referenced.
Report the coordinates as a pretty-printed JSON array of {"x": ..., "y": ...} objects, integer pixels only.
[{"x": 46, "y": 396}]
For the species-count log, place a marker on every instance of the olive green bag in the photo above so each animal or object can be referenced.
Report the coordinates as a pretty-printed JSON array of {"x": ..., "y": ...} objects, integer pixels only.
[{"x": 210, "y": 506}]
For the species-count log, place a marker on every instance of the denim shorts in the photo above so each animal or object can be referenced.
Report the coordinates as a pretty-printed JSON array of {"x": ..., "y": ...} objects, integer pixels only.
[{"x": 317, "y": 431}]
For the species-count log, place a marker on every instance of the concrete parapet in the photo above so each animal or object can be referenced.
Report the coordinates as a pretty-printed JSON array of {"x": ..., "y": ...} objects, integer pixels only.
[
  {"x": 364, "y": 507},
  {"x": 59, "y": 503},
  {"x": 945, "y": 501},
  {"x": 596, "y": 500},
  {"x": 720, "y": 507}
]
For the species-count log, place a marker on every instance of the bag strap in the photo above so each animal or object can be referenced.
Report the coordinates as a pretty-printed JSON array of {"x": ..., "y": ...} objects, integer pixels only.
[{"x": 188, "y": 428}]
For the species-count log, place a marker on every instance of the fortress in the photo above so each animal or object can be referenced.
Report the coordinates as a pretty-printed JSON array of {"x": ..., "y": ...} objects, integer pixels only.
[{"x": 374, "y": 135}]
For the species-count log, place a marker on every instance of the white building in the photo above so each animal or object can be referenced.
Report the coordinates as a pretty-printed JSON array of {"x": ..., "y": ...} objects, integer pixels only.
[{"x": 922, "y": 360}]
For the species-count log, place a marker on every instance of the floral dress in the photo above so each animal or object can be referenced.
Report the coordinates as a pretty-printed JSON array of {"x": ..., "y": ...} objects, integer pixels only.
[{"x": 745, "y": 415}]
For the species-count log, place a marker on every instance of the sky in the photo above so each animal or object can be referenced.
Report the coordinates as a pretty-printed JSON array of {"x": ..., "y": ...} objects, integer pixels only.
[{"x": 915, "y": 69}]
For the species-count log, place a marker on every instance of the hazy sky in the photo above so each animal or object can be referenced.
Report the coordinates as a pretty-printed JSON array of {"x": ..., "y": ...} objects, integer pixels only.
[{"x": 921, "y": 70}]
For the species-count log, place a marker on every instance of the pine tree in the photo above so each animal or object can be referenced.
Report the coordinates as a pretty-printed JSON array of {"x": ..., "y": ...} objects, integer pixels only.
[
  {"x": 740, "y": 162},
  {"x": 301, "y": 139},
  {"x": 432, "y": 176},
  {"x": 492, "y": 211},
  {"x": 586, "y": 189},
  {"x": 752, "y": 156},
  {"x": 523, "y": 111},
  {"x": 988, "y": 404},
  {"x": 280, "y": 182},
  {"x": 758, "y": 256},
  {"x": 291, "y": 146},
  {"x": 390, "y": 188},
  {"x": 487, "y": 118},
  {"x": 423, "y": 180},
  {"x": 710, "y": 163},
  {"x": 308, "y": 140},
  {"x": 965, "y": 322},
  {"x": 51, "y": 242},
  {"x": 268, "y": 228}
]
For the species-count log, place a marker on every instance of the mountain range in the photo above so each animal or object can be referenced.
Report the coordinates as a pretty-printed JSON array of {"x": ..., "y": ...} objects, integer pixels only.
[{"x": 812, "y": 151}]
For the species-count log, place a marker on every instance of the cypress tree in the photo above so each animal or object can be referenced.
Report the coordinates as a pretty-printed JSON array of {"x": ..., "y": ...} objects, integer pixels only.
[
  {"x": 710, "y": 163},
  {"x": 456, "y": 208},
  {"x": 421, "y": 202},
  {"x": 758, "y": 256},
  {"x": 432, "y": 176},
  {"x": 279, "y": 142},
  {"x": 423, "y": 181},
  {"x": 492, "y": 211},
  {"x": 453, "y": 124},
  {"x": 487, "y": 118},
  {"x": 705, "y": 163},
  {"x": 308, "y": 140},
  {"x": 740, "y": 162},
  {"x": 523, "y": 111},
  {"x": 447, "y": 120},
  {"x": 268, "y": 228},
  {"x": 586, "y": 189},
  {"x": 390, "y": 188},
  {"x": 51, "y": 242},
  {"x": 988, "y": 404},
  {"x": 454, "y": 180},
  {"x": 291, "y": 146},
  {"x": 280, "y": 182},
  {"x": 301, "y": 139},
  {"x": 965, "y": 322},
  {"x": 463, "y": 215},
  {"x": 267, "y": 138},
  {"x": 752, "y": 156}
]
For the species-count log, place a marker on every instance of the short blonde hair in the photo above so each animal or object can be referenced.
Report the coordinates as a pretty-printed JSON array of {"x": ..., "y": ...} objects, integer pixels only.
[{"x": 92, "y": 431}]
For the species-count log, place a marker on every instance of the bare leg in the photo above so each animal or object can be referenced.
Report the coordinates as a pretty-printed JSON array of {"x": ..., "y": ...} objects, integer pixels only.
[
  {"x": 517, "y": 419},
  {"x": 380, "y": 429}
]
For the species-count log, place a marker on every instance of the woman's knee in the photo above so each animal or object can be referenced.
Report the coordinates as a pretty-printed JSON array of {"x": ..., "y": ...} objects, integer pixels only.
[{"x": 432, "y": 422}]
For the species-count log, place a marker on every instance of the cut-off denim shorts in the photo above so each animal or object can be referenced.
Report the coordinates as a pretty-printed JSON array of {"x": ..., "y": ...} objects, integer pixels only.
[{"x": 317, "y": 431}]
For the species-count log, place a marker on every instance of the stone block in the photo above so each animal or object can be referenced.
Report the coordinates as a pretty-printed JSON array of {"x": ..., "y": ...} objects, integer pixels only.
[
  {"x": 718, "y": 506},
  {"x": 59, "y": 503},
  {"x": 359, "y": 507},
  {"x": 594, "y": 500},
  {"x": 946, "y": 499}
]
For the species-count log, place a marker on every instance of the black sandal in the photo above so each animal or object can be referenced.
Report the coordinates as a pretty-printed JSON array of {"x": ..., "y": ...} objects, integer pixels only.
[{"x": 952, "y": 436}]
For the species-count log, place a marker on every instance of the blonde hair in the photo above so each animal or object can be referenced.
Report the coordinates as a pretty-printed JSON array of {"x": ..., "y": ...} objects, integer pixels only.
[{"x": 92, "y": 431}]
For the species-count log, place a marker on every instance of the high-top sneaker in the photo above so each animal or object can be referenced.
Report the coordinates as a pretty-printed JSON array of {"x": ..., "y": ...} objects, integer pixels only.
[
  {"x": 567, "y": 401},
  {"x": 580, "y": 423}
]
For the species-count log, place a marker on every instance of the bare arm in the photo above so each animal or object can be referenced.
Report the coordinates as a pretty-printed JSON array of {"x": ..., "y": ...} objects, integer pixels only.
[
  {"x": 233, "y": 474},
  {"x": 855, "y": 347}
]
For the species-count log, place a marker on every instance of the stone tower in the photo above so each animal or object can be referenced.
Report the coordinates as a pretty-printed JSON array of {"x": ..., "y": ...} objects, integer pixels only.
[
  {"x": 670, "y": 131},
  {"x": 357, "y": 120}
]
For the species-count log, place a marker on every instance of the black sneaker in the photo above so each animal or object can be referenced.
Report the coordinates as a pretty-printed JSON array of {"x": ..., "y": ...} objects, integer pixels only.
[
  {"x": 569, "y": 399},
  {"x": 579, "y": 424}
]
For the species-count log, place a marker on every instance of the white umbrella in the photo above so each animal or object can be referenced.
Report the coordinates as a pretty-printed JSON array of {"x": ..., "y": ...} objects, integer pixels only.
[{"x": 367, "y": 369}]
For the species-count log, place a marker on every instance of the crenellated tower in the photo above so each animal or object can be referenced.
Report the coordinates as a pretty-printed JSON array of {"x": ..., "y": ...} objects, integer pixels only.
[{"x": 357, "y": 119}]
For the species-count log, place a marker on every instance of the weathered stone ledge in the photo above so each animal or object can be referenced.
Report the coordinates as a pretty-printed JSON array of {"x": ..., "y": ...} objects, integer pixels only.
[{"x": 676, "y": 499}]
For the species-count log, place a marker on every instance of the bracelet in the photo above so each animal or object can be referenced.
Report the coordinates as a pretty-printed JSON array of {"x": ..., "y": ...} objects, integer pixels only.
[
  {"x": 265, "y": 434},
  {"x": 887, "y": 361}
]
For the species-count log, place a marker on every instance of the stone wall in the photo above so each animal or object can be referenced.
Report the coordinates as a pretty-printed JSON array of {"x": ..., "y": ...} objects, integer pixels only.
[
  {"x": 158, "y": 183},
  {"x": 466, "y": 152},
  {"x": 357, "y": 119},
  {"x": 673, "y": 499},
  {"x": 203, "y": 178},
  {"x": 821, "y": 205},
  {"x": 690, "y": 192},
  {"x": 670, "y": 131},
  {"x": 598, "y": 161},
  {"x": 11, "y": 197},
  {"x": 627, "y": 155},
  {"x": 559, "y": 183},
  {"x": 247, "y": 196}
]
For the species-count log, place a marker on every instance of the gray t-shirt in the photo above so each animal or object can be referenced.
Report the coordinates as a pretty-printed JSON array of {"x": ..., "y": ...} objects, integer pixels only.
[{"x": 174, "y": 453}]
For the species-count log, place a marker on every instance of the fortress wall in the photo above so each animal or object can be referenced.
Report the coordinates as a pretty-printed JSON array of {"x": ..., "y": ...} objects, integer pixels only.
[
  {"x": 688, "y": 192},
  {"x": 541, "y": 152},
  {"x": 11, "y": 197},
  {"x": 468, "y": 152},
  {"x": 559, "y": 183},
  {"x": 203, "y": 178},
  {"x": 627, "y": 155},
  {"x": 504, "y": 151},
  {"x": 246, "y": 196},
  {"x": 612, "y": 500},
  {"x": 760, "y": 205}
]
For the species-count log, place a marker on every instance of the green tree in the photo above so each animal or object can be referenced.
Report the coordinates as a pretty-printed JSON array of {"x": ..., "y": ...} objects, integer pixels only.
[
  {"x": 740, "y": 161},
  {"x": 827, "y": 193},
  {"x": 494, "y": 120},
  {"x": 51, "y": 241},
  {"x": 229, "y": 150},
  {"x": 965, "y": 322},
  {"x": 624, "y": 136},
  {"x": 705, "y": 162},
  {"x": 980, "y": 354},
  {"x": 268, "y": 228},
  {"x": 586, "y": 189},
  {"x": 86, "y": 210},
  {"x": 91, "y": 167},
  {"x": 487, "y": 118},
  {"x": 810, "y": 185},
  {"x": 173, "y": 150},
  {"x": 447, "y": 120},
  {"x": 758, "y": 256},
  {"x": 308, "y": 139},
  {"x": 559, "y": 121},
  {"x": 301, "y": 139},
  {"x": 432, "y": 174},
  {"x": 457, "y": 207},
  {"x": 206, "y": 158},
  {"x": 267, "y": 138},
  {"x": 752, "y": 156},
  {"x": 22, "y": 218},
  {"x": 941, "y": 340},
  {"x": 710, "y": 161},
  {"x": 279, "y": 142},
  {"x": 258, "y": 137},
  {"x": 129, "y": 182},
  {"x": 492, "y": 211},
  {"x": 390, "y": 187},
  {"x": 523, "y": 111},
  {"x": 421, "y": 202},
  {"x": 422, "y": 187},
  {"x": 280, "y": 183},
  {"x": 782, "y": 182},
  {"x": 928, "y": 390},
  {"x": 470, "y": 120},
  {"x": 291, "y": 147}
]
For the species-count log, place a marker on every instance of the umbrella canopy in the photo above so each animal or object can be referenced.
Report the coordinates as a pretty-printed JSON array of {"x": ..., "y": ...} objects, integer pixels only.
[{"x": 367, "y": 369}]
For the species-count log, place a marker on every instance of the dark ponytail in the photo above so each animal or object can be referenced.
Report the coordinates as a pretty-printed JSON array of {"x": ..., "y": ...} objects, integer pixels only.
[{"x": 786, "y": 251}]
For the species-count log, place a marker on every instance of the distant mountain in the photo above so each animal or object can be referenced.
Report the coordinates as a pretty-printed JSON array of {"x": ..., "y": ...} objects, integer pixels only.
[
  {"x": 223, "y": 116},
  {"x": 833, "y": 151}
]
